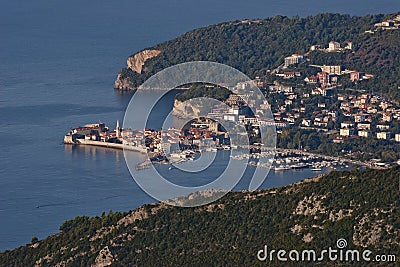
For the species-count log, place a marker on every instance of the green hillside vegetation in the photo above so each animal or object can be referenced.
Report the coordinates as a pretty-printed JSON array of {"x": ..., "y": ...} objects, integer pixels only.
[
  {"x": 359, "y": 206},
  {"x": 201, "y": 90},
  {"x": 256, "y": 46},
  {"x": 378, "y": 54}
]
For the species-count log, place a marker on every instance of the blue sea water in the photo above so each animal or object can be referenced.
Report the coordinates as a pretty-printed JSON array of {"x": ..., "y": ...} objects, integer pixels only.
[{"x": 58, "y": 62}]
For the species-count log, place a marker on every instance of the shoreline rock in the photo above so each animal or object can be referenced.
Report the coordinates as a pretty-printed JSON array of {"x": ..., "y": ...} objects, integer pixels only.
[{"x": 135, "y": 65}]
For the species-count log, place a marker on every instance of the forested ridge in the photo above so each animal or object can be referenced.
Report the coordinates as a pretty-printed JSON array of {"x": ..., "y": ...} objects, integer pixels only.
[
  {"x": 256, "y": 46},
  {"x": 359, "y": 206}
]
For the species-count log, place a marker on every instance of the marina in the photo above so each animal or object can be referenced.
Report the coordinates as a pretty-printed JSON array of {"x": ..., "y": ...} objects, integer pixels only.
[{"x": 284, "y": 160}]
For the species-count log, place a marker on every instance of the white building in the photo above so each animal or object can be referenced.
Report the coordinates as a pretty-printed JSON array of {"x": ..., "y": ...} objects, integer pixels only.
[
  {"x": 250, "y": 119},
  {"x": 363, "y": 133},
  {"x": 306, "y": 122},
  {"x": 346, "y": 132},
  {"x": 230, "y": 117},
  {"x": 360, "y": 117},
  {"x": 234, "y": 110},
  {"x": 333, "y": 46},
  {"x": 383, "y": 135},
  {"x": 397, "y": 137},
  {"x": 364, "y": 126},
  {"x": 349, "y": 45},
  {"x": 382, "y": 127},
  {"x": 346, "y": 124},
  {"x": 293, "y": 59},
  {"x": 387, "y": 117},
  {"x": 332, "y": 69}
]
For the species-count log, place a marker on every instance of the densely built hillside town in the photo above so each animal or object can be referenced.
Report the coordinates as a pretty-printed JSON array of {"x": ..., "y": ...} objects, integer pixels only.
[{"x": 317, "y": 102}]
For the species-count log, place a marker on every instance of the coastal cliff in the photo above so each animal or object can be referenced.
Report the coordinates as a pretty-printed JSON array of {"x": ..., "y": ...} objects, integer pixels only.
[
  {"x": 123, "y": 83},
  {"x": 137, "y": 61},
  {"x": 135, "y": 64}
]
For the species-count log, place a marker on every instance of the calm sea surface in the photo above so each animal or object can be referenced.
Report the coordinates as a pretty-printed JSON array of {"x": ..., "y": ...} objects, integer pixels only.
[{"x": 58, "y": 62}]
